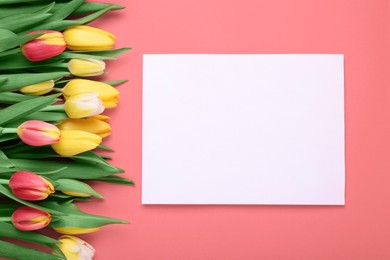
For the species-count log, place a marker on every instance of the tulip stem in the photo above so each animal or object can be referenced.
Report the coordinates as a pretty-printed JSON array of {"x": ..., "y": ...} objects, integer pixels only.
[
  {"x": 2, "y": 181},
  {"x": 54, "y": 108},
  {"x": 9, "y": 130},
  {"x": 59, "y": 90},
  {"x": 6, "y": 219}
]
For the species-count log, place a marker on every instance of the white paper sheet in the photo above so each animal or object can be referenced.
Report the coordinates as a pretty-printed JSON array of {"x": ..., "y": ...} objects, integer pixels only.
[{"x": 243, "y": 129}]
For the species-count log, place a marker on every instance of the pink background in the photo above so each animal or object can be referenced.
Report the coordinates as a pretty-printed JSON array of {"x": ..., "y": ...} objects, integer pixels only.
[{"x": 359, "y": 230}]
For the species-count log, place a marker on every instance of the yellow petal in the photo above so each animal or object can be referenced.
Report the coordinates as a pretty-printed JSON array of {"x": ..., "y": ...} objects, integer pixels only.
[
  {"x": 75, "y": 231},
  {"x": 73, "y": 142},
  {"x": 88, "y": 38},
  {"x": 39, "y": 88},
  {"x": 86, "y": 67},
  {"x": 107, "y": 93},
  {"x": 90, "y": 125}
]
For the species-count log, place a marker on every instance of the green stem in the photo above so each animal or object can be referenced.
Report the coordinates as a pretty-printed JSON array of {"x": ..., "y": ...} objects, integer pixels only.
[
  {"x": 59, "y": 90},
  {"x": 2, "y": 181},
  {"x": 9, "y": 130},
  {"x": 5, "y": 219},
  {"x": 54, "y": 108}
]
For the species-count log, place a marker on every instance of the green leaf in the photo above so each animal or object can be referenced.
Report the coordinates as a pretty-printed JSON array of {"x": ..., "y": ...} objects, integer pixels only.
[
  {"x": 4, "y": 161},
  {"x": 17, "y": 81},
  {"x": 8, "y": 230},
  {"x": 18, "y": 61},
  {"x": 65, "y": 10},
  {"x": 90, "y": 7},
  {"x": 24, "y": 9},
  {"x": 3, "y": 81},
  {"x": 76, "y": 186},
  {"x": 94, "y": 16},
  {"x": 17, "y": 252},
  {"x": 20, "y": 22},
  {"x": 24, "y": 108},
  {"x": 74, "y": 218},
  {"x": 116, "y": 179},
  {"x": 116, "y": 82},
  {"x": 8, "y": 137},
  {"x": 104, "y": 147},
  {"x": 73, "y": 170},
  {"x": 9, "y": 52},
  {"x": 100, "y": 55},
  {"x": 53, "y": 25},
  {"x": 15, "y": 40},
  {"x": 6, "y": 2},
  {"x": 7, "y": 192},
  {"x": 12, "y": 97}
]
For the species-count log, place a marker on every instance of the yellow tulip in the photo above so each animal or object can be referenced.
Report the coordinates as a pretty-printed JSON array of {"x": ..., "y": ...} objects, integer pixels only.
[
  {"x": 39, "y": 88},
  {"x": 86, "y": 67},
  {"x": 75, "y": 231},
  {"x": 101, "y": 117},
  {"x": 75, "y": 248},
  {"x": 85, "y": 38},
  {"x": 83, "y": 105},
  {"x": 73, "y": 142},
  {"x": 91, "y": 125},
  {"x": 107, "y": 93}
]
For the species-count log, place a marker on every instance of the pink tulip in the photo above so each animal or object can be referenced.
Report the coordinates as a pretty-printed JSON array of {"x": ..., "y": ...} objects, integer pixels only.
[
  {"x": 46, "y": 46},
  {"x": 26, "y": 218},
  {"x": 38, "y": 133},
  {"x": 29, "y": 186}
]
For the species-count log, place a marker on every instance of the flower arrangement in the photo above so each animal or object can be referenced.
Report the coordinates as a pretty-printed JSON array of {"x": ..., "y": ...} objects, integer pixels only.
[{"x": 52, "y": 126}]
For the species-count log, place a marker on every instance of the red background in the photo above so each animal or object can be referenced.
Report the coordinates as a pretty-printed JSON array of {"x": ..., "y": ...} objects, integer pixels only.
[{"x": 358, "y": 230}]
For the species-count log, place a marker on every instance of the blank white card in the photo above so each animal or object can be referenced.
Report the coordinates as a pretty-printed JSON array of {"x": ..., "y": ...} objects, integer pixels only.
[{"x": 243, "y": 129}]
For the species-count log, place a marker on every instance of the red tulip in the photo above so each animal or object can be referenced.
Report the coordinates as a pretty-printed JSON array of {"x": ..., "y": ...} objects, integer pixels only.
[
  {"x": 46, "y": 46},
  {"x": 30, "y": 186},
  {"x": 26, "y": 218},
  {"x": 38, "y": 133}
]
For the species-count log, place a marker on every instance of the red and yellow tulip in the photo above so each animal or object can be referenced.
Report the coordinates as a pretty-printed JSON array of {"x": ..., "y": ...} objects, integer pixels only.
[
  {"x": 26, "y": 218},
  {"x": 46, "y": 46},
  {"x": 30, "y": 186}
]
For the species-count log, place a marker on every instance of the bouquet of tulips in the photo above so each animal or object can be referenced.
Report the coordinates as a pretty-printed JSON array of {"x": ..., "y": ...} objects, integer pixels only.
[{"x": 52, "y": 126}]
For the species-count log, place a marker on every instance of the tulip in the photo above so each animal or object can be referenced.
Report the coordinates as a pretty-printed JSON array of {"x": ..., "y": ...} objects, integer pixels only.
[
  {"x": 91, "y": 125},
  {"x": 75, "y": 230},
  {"x": 26, "y": 218},
  {"x": 73, "y": 142},
  {"x": 85, "y": 38},
  {"x": 107, "y": 93},
  {"x": 46, "y": 46},
  {"x": 75, "y": 248},
  {"x": 86, "y": 67},
  {"x": 39, "y": 88},
  {"x": 38, "y": 133},
  {"x": 101, "y": 117},
  {"x": 83, "y": 105},
  {"x": 29, "y": 186}
]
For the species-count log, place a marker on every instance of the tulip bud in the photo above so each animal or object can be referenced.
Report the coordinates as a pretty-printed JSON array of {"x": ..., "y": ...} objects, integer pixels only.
[
  {"x": 86, "y": 67},
  {"x": 74, "y": 230},
  {"x": 46, "y": 46},
  {"x": 39, "y": 88},
  {"x": 101, "y": 117},
  {"x": 83, "y": 105},
  {"x": 107, "y": 93},
  {"x": 29, "y": 186},
  {"x": 26, "y": 218},
  {"x": 75, "y": 248},
  {"x": 73, "y": 142},
  {"x": 38, "y": 133},
  {"x": 85, "y": 38},
  {"x": 91, "y": 125}
]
